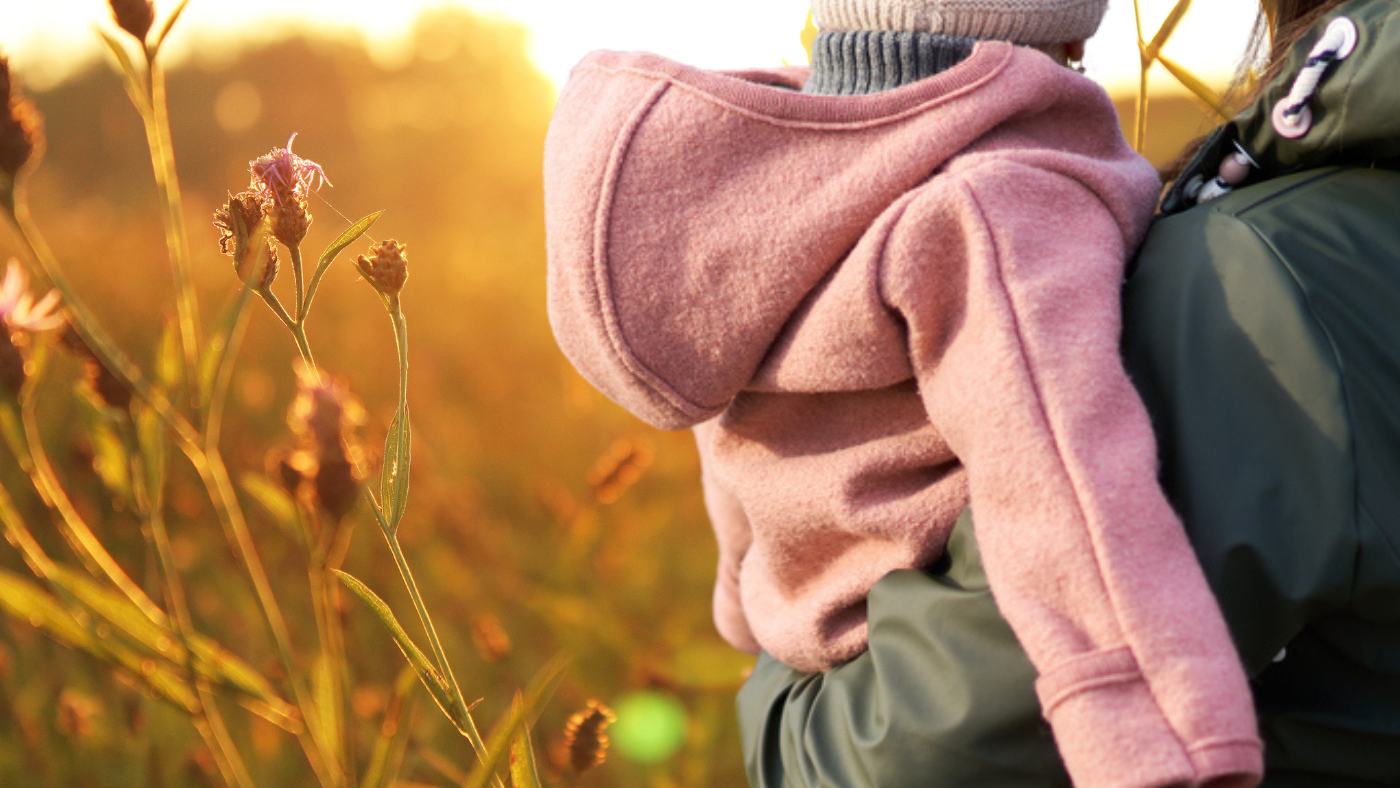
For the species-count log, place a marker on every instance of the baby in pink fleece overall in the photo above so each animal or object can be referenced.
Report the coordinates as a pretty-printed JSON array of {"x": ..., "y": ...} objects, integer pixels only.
[{"x": 882, "y": 290}]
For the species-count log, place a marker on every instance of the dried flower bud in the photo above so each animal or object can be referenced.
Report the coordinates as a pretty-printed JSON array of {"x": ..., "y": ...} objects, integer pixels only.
[
  {"x": 324, "y": 417},
  {"x": 21, "y": 127},
  {"x": 134, "y": 16},
  {"x": 237, "y": 221},
  {"x": 490, "y": 638},
  {"x": 76, "y": 713},
  {"x": 291, "y": 217},
  {"x": 387, "y": 269},
  {"x": 618, "y": 469},
  {"x": 585, "y": 737}
]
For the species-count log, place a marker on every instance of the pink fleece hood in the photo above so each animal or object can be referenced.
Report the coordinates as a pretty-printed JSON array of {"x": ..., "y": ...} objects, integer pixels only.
[
  {"x": 691, "y": 213},
  {"x": 876, "y": 311}
]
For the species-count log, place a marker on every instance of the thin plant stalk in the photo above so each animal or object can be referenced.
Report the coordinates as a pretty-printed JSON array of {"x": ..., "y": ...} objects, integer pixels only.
[
  {"x": 299, "y": 277},
  {"x": 208, "y": 718},
  {"x": 157, "y": 122},
  {"x": 205, "y": 459},
  {"x": 28, "y": 448},
  {"x": 48, "y": 270}
]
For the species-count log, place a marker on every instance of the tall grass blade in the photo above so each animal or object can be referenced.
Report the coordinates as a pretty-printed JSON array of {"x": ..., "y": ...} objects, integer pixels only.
[
  {"x": 323, "y": 263},
  {"x": 427, "y": 673},
  {"x": 1192, "y": 83},
  {"x": 387, "y": 756},
  {"x": 165, "y": 28},
  {"x": 523, "y": 771},
  {"x": 505, "y": 732}
]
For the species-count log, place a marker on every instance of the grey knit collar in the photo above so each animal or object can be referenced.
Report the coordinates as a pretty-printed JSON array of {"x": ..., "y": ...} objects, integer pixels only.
[{"x": 846, "y": 63}]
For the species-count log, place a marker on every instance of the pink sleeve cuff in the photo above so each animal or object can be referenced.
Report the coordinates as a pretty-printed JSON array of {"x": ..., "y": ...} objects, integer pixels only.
[{"x": 1112, "y": 734}]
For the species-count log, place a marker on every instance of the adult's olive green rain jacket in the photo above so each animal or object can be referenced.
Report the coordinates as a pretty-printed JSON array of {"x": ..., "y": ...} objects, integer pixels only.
[{"x": 1263, "y": 332}]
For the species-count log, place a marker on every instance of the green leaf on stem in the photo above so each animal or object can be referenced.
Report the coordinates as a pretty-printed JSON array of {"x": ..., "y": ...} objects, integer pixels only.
[
  {"x": 25, "y": 601},
  {"x": 217, "y": 345},
  {"x": 132, "y": 81},
  {"x": 393, "y": 477},
  {"x": 165, "y": 28},
  {"x": 150, "y": 435},
  {"x": 541, "y": 687},
  {"x": 109, "y": 451},
  {"x": 152, "y": 639},
  {"x": 387, "y": 756},
  {"x": 275, "y": 501},
  {"x": 351, "y": 234},
  {"x": 328, "y": 711},
  {"x": 427, "y": 673},
  {"x": 168, "y": 361},
  {"x": 523, "y": 771}
]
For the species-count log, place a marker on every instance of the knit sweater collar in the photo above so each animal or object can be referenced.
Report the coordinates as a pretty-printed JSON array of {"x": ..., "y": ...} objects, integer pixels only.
[{"x": 846, "y": 63}]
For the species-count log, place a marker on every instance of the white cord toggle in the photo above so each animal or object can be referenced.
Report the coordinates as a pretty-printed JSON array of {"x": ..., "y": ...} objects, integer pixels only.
[{"x": 1292, "y": 117}]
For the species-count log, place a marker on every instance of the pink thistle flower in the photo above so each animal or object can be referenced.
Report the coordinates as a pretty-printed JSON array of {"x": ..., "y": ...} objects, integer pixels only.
[
  {"x": 282, "y": 180},
  {"x": 281, "y": 172},
  {"x": 19, "y": 310}
]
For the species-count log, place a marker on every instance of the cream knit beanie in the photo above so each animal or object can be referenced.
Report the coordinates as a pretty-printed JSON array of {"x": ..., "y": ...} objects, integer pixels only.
[{"x": 1032, "y": 22}]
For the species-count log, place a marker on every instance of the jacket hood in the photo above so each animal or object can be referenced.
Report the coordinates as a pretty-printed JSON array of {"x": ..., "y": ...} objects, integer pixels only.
[
  {"x": 1354, "y": 113},
  {"x": 692, "y": 215}
]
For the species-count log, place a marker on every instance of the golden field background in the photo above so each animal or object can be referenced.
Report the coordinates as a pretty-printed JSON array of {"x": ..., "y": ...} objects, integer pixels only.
[{"x": 543, "y": 519}]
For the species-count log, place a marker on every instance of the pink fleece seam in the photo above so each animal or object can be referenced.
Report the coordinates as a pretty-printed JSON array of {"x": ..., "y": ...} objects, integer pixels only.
[
  {"x": 1054, "y": 437},
  {"x": 601, "y": 280},
  {"x": 994, "y": 69}
]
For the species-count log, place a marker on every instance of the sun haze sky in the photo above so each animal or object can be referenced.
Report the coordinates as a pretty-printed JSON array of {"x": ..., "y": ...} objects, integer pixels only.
[{"x": 47, "y": 39}]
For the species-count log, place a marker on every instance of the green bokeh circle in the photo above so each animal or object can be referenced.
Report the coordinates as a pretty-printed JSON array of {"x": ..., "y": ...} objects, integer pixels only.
[{"x": 650, "y": 727}]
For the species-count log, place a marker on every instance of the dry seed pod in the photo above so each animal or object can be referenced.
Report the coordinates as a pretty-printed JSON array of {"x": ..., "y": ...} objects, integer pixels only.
[
  {"x": 236, "y": 221},
  {"x": 134, "y": 16},
  {"x": 386, "y": 269},
  {"x": 618, "y": 469},
  {"x": 324, "y": 416},
  {"x": 586, "y": 738}
]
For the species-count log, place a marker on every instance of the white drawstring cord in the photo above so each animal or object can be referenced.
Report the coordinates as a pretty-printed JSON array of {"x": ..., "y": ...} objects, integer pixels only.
[{"x": 1292, "y": 117}]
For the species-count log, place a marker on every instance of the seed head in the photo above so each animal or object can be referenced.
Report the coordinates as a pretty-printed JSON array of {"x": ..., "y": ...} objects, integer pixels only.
[
  {"x": 291, "y": 218},
  {"x": 134, "y": 16},
  {"x": 21, "y": 127},
  {"x": 386, "y": 267},
  {"x": 237, "y": 221},
  {"x": 324, "y": 417},
  {"x": 585, "y": 736},
  {"x": 284, "y": 181}
]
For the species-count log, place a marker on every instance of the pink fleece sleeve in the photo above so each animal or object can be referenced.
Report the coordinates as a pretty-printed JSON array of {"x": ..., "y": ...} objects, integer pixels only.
[{"x": 1019, "y": 367}]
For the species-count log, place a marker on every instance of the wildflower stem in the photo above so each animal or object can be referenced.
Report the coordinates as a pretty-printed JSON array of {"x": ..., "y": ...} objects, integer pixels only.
[
  {"x": 158, "y": 138},
  {"x": 28, "y": 448},
  {"x": 86, "y": 324},
  {"x": 390, "y": 530},
  {"x": 298, "y": 330},
  {"x": 299, "y": 277},
  {"x": 223, "y": 373},
  {"x": 208, "y": 719},
  {"x": 465, "y": 721},
  {"x": 214, "y": 474}
]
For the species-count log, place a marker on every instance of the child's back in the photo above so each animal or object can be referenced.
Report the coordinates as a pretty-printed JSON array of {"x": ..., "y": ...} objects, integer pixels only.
[{"x": 876, "y": 310}]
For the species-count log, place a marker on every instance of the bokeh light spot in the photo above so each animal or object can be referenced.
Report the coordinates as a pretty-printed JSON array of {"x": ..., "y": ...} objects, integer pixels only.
[
  {"x": 651, "y": 726},
  {"x": 238, "y": 106}
]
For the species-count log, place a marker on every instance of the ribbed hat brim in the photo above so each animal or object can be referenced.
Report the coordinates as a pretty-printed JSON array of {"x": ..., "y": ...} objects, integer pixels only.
[{"x": 1019, "y": 21}]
